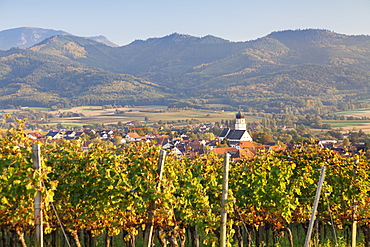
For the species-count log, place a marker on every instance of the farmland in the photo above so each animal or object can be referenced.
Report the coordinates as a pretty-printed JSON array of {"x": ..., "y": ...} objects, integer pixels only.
[
  {"x": 153, "y": 114},
  {"x": 355, "y": 113},
  {"x": 348, "y": 123}
]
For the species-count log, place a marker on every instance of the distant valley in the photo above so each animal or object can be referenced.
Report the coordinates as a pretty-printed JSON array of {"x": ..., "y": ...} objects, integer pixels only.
[{"x": 302, "y": 71}]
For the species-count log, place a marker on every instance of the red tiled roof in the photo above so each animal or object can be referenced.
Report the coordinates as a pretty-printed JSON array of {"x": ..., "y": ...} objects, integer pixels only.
[
  {"x": 133, "y": 135},
  {"x": 245, "y": 144},
  {"x": 223, "y": 150}
]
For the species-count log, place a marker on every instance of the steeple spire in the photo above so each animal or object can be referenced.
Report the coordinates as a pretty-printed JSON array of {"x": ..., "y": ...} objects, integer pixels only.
[{"x": 240, "y": 121}]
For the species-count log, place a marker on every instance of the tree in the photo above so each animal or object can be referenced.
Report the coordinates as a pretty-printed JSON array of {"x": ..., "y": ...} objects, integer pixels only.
[
  {"x": 216, "y": 130},
  {"x": 193, "y": 136},
  {"x": 59, "y": 126},
  {"x": 262, "y": 137},
  {"x": 286, "y": 138},
  {"x": 346, "y": 142},
  {"x": 140, "y": 132},
  {"x": 207, "y": 135},
  {"x": 117, "y": 140},
  {"x": 54, "y": 108},
  {"x": 354, "y": 137},
  {"x": 367, "y": 146}
]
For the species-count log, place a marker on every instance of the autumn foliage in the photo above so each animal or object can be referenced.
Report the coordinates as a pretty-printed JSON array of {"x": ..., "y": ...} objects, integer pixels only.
[{"x": 107, "y": 189}]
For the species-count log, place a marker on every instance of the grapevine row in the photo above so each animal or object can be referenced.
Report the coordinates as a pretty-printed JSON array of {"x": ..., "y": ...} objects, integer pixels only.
[{"x": 109, "y": 189}]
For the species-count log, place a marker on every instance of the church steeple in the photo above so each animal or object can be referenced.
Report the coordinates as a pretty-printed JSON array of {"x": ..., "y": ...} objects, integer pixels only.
[
  {"x": 240, "y": 122},
  {"x": 240, "y": 134}
]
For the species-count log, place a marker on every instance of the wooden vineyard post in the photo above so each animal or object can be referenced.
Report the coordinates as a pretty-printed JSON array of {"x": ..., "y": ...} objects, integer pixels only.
[
  {"x": 225, "y": 187},
  {"x": 150, "y": 225},
  {"x": 354, "y": 223},
  {"x": 354, "y": 228},
  {"x": 315, "y": 204},
  {"x": 39, "y": 242}
]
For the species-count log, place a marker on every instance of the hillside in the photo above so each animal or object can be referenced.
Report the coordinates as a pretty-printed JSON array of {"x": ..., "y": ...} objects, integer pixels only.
[
  {"x": 30, "y": 79},
  {"x": 25, "y": 37},
  {"x": 304, "y": 69}
]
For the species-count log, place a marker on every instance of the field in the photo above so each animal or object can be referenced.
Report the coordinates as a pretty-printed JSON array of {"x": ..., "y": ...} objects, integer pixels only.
[
  {"x": 153, "y": 114},
  {"x": 347, "y": 125},
  {"x": 355, "y": 113}
]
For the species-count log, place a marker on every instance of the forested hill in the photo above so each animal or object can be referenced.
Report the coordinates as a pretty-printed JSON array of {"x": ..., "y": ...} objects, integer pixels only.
[
  {"x": 300, "y": 69},
  {"x": 30, "y": 78}
]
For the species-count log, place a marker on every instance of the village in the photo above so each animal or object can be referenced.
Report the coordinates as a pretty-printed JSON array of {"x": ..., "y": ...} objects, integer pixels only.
[{"x": 237, "y": 141}]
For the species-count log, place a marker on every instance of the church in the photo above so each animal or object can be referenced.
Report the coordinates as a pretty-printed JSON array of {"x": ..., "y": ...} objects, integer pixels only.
[{"x": 239, "y": 135}]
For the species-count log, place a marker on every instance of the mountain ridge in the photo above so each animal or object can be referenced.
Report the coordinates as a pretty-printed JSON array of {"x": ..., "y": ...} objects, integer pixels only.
[
  {"x": 282, "y": 69},
  {"x": 26, "y": 37}
]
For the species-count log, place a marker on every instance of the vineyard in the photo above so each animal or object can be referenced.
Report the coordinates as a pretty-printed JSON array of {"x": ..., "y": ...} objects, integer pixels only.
[{"x": 104, "y": 196}]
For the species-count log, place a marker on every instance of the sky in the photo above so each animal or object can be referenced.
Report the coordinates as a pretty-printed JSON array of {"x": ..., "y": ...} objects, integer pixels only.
[{"x": 123, "y": 21}]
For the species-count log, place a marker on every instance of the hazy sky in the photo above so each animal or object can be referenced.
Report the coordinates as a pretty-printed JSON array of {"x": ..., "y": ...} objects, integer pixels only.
[{"x": 123, "y": 21}]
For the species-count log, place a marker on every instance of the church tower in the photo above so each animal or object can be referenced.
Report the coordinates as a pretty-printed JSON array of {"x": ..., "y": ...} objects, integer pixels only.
[
  {"x": 240, "y": 122},
  {"x": 240, "y": 134}
]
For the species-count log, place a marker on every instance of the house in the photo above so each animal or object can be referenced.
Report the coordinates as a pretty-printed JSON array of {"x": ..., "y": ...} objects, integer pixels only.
[
  {"x": 69, "y": 134},
  {"x": 79, "y": 134},
  {"x": 133, "y": 136},
  {"x": 170, "y": 148},
  {"x": 161, "y": 140},
  {"x": 54, "y": 135},
  {"x": 168, "y": 145},
  {"x": 131, "y": 123},
  {"x": 246, "y": 153},
  {"x": 203, "y": 128},
  {"x": 197, "y": 146},
  {"x": 104, "y": 134},
  {"x": 239, "y": 134},
  {"x": 244, "y": 144},
  {"x": 184, "y": 137},
  {"x": 221, "y": 151},
  {"x": 176, "y": 151},
  {"x": 34, "y": 135},
  {"x": 328, "y": 142}
]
